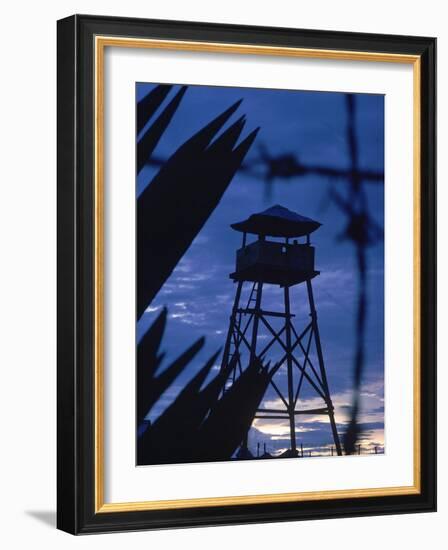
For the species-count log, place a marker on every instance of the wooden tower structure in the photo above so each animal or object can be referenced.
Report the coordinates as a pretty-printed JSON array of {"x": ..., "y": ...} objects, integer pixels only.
[{"x": 258, "y": 331}]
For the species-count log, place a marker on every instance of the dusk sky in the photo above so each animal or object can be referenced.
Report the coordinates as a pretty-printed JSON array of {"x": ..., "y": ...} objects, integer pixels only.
[{"x": 199, "y": 294}]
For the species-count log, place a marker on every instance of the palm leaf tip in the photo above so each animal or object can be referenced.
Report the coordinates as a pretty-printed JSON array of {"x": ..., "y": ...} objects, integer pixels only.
[
  {"x": 149, "y": 104},
  {"x": 203, "y": 137},
  {"x": 152, "y": 136},
  {"x": 198, "y": 380},
  {"x": 151, "y": 388},
  {"x": 227, "y": 140}
]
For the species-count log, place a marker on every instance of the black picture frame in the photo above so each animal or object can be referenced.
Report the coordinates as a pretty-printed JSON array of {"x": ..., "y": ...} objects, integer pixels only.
[{"x": 76, "y": 510}]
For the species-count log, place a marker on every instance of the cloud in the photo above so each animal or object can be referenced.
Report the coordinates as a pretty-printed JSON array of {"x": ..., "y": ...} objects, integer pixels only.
[
  {"x": 190, "y": 318},
  {"x": 314, "y": 431},
  {"x": 152, "y": 309}
]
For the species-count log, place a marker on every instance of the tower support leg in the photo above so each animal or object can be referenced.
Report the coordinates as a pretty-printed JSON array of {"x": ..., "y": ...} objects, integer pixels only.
[
  {"x": 233, "y": 316},
  {"x": 291, "y": 404},
  {"x": 322, "y": 368},
  {"x": 256, "y": 321},
  {"x": 253, "y": 350}
]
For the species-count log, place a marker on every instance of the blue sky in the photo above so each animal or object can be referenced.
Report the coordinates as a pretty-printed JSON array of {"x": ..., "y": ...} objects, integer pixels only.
[{"x": 199, "y": 293}]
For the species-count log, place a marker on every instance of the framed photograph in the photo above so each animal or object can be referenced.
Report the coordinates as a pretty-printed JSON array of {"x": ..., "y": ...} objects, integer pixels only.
[{"x": 246, "y": 274}]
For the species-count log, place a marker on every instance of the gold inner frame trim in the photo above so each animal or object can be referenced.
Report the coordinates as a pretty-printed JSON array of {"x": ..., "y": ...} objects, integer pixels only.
[{"x": 101, "y": 42}]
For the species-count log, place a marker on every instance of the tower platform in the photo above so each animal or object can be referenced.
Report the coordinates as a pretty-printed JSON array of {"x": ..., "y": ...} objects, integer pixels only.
[{"x": 275, "y": 263}]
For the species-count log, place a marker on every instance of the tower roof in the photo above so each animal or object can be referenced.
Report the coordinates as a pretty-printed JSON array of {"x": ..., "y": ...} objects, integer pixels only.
[{"x": 277, "y": 221}]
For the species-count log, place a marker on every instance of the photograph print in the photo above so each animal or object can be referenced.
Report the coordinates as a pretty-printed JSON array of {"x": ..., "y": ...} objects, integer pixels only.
[{"x": 260, "y": 274}]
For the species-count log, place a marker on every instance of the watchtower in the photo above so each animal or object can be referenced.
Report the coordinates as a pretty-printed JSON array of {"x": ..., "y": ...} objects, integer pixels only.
[{"x": 256, "y": 330}]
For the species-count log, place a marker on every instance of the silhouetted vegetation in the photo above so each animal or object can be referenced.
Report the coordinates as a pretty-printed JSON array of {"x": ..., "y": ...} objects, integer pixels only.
[
  {"x": 181, "y": 197},
  {"x": 170, "y": 213},
  {"x": 204, "y": 422},
  {"x": 149, "y": 386}
]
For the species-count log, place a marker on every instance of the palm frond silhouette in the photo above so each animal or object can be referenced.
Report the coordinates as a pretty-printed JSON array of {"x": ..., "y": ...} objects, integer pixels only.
[{"x": 171, "y": 211}]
